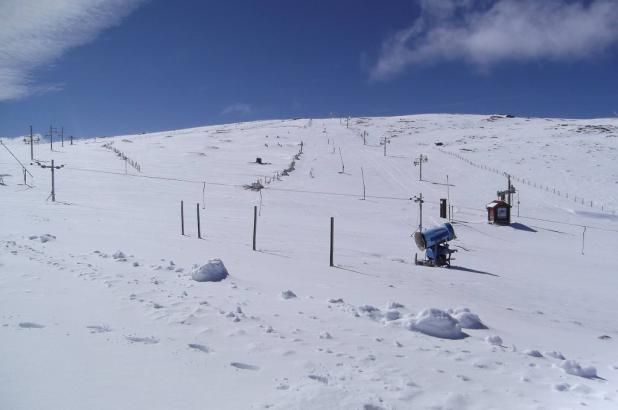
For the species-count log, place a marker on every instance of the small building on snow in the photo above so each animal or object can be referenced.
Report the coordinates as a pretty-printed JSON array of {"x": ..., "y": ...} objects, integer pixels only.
[{"x": 499, "y": 212}]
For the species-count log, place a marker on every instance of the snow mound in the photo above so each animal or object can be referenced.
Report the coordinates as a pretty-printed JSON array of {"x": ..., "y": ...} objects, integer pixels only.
[
  {"x": 391, "y": 315},
  {"x": 394, "y": 305},
  {"x": 288, "y": 294},
  {"x": 43, "y": 238},
  {"x": 370, "y": 311},
  {"x": 533, "y": 353},
  {"x": 555, "y": 355},
  {"x": 325, "y": 335},
  {"x": 119, "y": 255},
  {"x": 469, "y": 320},
  {"x": 562, "y": 387},
  {"x": 574, "y": 368},
  {"x": 436, "y": 322},
  {"x": 213, "y": 271},
  {"x": 494, "y": 340}
]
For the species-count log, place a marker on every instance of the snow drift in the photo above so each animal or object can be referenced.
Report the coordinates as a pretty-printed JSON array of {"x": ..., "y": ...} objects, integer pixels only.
[{"x": 213, "y": 271}]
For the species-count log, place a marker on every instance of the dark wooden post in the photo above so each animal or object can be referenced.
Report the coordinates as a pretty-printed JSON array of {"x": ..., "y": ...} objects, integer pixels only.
[
  {"x": 182, "y": 217},
  {"x": 53, "y": 193},
  {"x": 332, "y": 240},
  {"x": 363, "y": 175},
  {"x": 199, "y": 231},
  {"x": 254, "y": 225}
]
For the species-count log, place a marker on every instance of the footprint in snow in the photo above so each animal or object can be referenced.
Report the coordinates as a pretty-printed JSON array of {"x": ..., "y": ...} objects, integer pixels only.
[
  {"x": 145, "y": 340},
  {"x": 372, "y": 407},
  {"x": 30, "y": 325},
  {"x": 244, "y": 366},
  {"x": 99, "y": 328},
  {"x": 199, "y": 347},
  {"x": 288, "y": 294},
  {"x": 317, "y": 378}
]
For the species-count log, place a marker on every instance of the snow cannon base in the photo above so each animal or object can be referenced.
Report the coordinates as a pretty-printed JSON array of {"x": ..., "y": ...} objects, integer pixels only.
[{"x": 434, "y": 242}]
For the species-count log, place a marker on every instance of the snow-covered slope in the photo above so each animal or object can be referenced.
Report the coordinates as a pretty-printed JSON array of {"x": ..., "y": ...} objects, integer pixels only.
[{"x": 98, "y": 308}]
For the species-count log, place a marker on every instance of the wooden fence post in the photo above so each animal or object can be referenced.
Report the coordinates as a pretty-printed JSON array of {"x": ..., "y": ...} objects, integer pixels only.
[
  {"x": 254, "y": 225},
  {"x": 332, "y": 240},
  {"x": 53, "y": 192},
  {"x": 199, "y": 231},
  {"x": 182, "y": 218}
]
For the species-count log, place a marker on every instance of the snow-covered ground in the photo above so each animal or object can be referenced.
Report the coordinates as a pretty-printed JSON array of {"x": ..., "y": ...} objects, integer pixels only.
[{"x": 98, "y": 308}]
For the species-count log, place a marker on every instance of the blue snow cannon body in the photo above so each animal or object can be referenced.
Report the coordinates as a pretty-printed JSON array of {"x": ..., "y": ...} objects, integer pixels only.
[{"x": 434, "y": 241}]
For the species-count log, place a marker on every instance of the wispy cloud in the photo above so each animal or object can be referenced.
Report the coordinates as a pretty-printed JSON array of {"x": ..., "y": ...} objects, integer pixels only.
[
  {"x": 485, "y": 32},
  {"x": 34, "y": 33},
  {"x": 237, "y": 109}
]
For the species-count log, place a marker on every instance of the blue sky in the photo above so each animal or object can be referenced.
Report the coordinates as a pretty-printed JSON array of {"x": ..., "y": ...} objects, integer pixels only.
[{"x": 105, "y": 67}]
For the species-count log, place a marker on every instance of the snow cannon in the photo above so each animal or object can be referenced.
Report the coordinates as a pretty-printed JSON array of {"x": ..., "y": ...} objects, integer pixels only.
[{"x": 434, "y": 241}]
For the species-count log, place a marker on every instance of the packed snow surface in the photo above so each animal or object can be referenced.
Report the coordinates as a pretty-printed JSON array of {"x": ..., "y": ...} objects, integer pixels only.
[{"x": 99, "y": 308}]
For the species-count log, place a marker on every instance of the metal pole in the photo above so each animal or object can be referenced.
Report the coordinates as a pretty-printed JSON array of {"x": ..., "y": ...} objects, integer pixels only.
[
  {"x": 62, "y": 135},
  {"x": 254, "y": 225},
  {"x": 199, "y": 231},
  {"x": 71, "y": 140},
  {"x": 182, "y": 218},
  {"x": 332, "y": 240},
  {"x": 31, "y": 145},
  {"x": 420, "y": 168},
  {"x": 448, "y": 197},
  {"x": 420, "y": 204},
  {"x": 53, "y": 192},
  {"x": 51, "y": 139}
]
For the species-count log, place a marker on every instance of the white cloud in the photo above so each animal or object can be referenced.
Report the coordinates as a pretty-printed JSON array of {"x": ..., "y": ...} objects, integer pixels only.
[
  {"x": 237, "y": 109},
  {"x": 484, "y": 32},
  {"x": 35, "y": 33}
]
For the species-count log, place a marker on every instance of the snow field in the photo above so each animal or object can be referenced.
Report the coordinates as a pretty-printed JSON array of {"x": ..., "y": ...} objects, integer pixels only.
[{"x": 107, "y": 304}]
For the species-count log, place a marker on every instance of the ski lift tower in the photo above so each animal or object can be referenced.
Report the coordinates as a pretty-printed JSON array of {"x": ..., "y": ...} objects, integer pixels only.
[
  {"x": 419, "y": 162},
  {"x": 507, "y": 195}
]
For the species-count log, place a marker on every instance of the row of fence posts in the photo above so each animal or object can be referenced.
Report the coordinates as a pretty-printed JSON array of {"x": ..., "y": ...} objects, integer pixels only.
[
  {"x": 528, "y": 182},
  {"x": 182, "y": 219},
  {"x": 124, "y": 157},
  {"x": 255, "y": 220}
]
